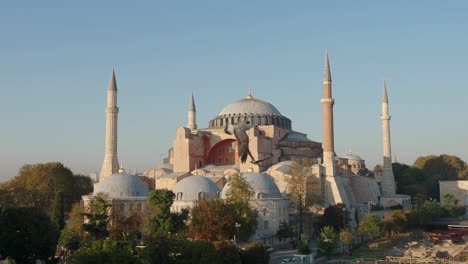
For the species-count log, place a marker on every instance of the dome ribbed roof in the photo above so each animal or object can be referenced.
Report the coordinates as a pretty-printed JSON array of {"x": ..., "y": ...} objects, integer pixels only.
[
  {"x": 121, "y": 185},
  {"x": 352, "y": 156},
  {"x": 253, "y": 110},
  {"x": 192, "y": 186},
  {"x": 261, "y": 183},
  {"x": 249, "y": 106}
]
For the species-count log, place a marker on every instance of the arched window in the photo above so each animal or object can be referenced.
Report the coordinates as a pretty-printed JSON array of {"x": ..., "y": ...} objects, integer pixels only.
[{"x": 201, "y": 196}]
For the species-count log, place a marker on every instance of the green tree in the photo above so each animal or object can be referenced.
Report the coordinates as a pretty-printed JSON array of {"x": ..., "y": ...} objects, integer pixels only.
[
  {"x": 106, "y": 251},
  {"x": 395, "y": 221},
  {"x": 126, "y": 226},
  {"x": 227, "y": 252},
  {"x": 440, "y": 168},
  {"x": 255, "y": 253},
  {"x": 215, "y": 220},
  {"x": 337, "y": 216},
  {"x": 378, "y": 168},
  {"x": 347, "y": 236},
  {"x": 240, "y": 190},
  {"x": 161, "y": 222},
  {"x": 328, "y": 240},
  {"x": 164, "y": 250},
  {"x": 26, "y": 234},
  {"x": 58, "y": 210},
  {"x": 71, "y": 235},
  {"x": 284, "y": 232},
  {"x": 300, "y": 182},
  {"x": 449, "y": 200},
  {"x": 96, "y": 218},
  {"x": 371, "y": 226},
  {"x": 199, "y": 252},
  {"x": 36, "y": 186}
]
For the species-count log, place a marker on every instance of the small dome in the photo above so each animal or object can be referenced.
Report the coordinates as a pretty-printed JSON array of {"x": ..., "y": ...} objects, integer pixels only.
[
  {"x": 263, "y": 185},
  {"x": 352, "y": 156},
  {"x": 195, "y": 187},
  {"x": 121, "y": 185},
  {"x": 250, "y": 106}
]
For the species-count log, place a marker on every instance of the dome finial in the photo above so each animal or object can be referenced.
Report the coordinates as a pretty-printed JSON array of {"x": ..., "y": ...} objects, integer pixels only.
[
  {"x": 250, "y": 94},
  {"x": 250, "y": 169},
  {"x": 121, "y": 169}
]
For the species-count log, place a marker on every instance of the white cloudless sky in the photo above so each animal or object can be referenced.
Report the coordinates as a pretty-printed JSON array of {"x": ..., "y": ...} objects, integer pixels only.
[{"x": 56, "y": 58}]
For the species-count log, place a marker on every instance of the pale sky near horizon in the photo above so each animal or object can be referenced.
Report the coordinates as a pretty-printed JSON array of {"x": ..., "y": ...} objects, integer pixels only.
[{"x": 56, "y": 58}]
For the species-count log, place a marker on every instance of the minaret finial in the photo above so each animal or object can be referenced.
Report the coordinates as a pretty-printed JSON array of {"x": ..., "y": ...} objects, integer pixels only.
[
  {"x": 249, "y": 96},
  {"x": 385, "y": 97},
  {"x": 192, "y": 104},
  {"x": 327, "y": 74},
  {"x": 192, "y": 114},
  {"x": 112, "y": 82}
]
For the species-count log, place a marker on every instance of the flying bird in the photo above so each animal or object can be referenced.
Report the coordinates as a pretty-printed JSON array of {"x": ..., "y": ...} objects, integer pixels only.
[{"x": 239, "y": 131}]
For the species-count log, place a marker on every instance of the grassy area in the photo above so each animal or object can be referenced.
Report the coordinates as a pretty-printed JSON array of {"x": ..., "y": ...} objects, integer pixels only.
[{"x": 367, "y": 252}]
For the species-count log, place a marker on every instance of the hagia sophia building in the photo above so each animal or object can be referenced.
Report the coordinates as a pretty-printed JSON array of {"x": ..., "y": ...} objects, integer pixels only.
[{"x": 201, "y": 160}]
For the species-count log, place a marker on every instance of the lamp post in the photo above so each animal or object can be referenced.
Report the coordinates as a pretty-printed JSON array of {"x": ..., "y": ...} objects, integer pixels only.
[{"x": 237, "y": 225}]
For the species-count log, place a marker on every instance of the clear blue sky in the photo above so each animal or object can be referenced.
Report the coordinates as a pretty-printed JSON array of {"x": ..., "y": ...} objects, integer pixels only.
[{"x": 56, "y": 58}]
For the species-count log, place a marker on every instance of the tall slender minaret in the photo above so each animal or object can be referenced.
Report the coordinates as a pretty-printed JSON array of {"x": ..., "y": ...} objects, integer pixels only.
[
  {"x": 192, "y": 114},
  {"x": 388, "y": 180},
  {"x": 111, "y": 164},
  {"x": 327, "y": 102}
]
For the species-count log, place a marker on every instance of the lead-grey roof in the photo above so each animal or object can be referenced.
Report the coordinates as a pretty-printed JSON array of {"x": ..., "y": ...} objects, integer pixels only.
[
  {"x": 261, "y": 183},
  {"x": 121, "y": 185},
  {"x": 295, "y": 136},
  {"x": 249, "y": 106},
  {"x": 192, "y": 186}
]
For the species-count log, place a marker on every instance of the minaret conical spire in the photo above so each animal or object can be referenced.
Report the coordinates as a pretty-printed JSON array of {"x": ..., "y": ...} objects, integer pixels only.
[
  {"x": 110, "y": 164},
  {"x": 192, "y": 104},
  {"x": 192, "y": 114},
  {"x": 112, "y": 82},
  {"x": 327, "y": 74},
  {"x": 385, "y": 97}
]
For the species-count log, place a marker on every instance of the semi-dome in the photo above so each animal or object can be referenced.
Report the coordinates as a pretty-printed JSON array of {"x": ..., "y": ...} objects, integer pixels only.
[
  {"x": 121, "y": 185},
  {"x": 194, "y": 188},
  {"x": 263, "y": 185},
  {"x": 256, "y": 111}
]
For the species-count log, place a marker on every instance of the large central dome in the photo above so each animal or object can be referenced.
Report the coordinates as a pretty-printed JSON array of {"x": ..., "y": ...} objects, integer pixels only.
[
  {"x": 250, "y": 106},
  {"x": 257, "y": 111}
]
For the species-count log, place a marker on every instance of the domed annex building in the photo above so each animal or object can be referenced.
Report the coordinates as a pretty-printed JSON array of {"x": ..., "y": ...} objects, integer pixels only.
[
  {"x": 126, "y": 193},
  {"x": 270, "y": 204},
  {"x": 192, "y": 189}
]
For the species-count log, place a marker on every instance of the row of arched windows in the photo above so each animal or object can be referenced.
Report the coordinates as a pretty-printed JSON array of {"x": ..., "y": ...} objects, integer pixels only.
[{"x": 280, "y": 121}]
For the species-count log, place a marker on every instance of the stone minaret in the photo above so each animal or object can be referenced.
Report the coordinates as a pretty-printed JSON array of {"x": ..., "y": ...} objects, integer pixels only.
[
  {"x": 111, "y": 164},
  {"x": 192, "y": 115},
  {"x": 327, "y": 102},
  {"x": 388, "y": 180}
]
